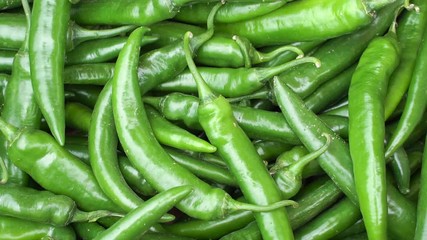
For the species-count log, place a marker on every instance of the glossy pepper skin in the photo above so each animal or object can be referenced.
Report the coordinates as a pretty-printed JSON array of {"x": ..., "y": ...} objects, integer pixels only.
[
  {"x": 336, "y": 161},
  {"x": 140, "y": 12},
  {"x": 416, "y": 102},
  {"x": 55, "y": 169},
  {"x": 409, "y": 33},
  {"x": 338, "y": 54},
  {"x": 20, "y": 107},
  {"x": 42, "y": 206},
  {"x": 306, "y": 21},
  {"x": 421, "y": 227},
  {"x": 47, "y": 44},
  {"x": 15, "y": 228},
  {"x": 13, "y": 28},
  {"x": 232, "y": 12},
  {"x": 216, "y": 117},
  {"x": 138, "y": 221},
  {"x": 313, "y": 199},
  {"x": 367, "y": 130},
  {"x": 331, "y": 222}
]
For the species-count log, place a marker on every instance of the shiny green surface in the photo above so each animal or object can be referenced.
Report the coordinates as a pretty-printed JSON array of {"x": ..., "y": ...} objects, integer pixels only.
[
  {"x": 14, "y": 228},
  {"x": 336, "y": 161},
  {"x": 303, "y": 21},
  {"x": 367, "y": 130}
]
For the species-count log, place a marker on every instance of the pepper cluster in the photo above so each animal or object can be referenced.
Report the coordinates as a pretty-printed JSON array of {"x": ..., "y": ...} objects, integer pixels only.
[{"x": 184, "y": 119}]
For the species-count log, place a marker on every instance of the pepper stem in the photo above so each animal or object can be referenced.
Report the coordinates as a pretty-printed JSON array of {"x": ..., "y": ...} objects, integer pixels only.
[
  {"x": 299, "y": 165},
  {"x": 8, "y": 130},
  {"x": 261, "y": 57},
  {"x": 199, "y": 40},
  {"x": 203, "y": 89},
  {"x": 244, "y": 49},
  {"x": 155, "y": 102},
  {"x": 267, "y": 73},
  {"x": 81, "y": 216},
  {"x": 234, "y": 205},
  {"x": 80, "y": 34}
]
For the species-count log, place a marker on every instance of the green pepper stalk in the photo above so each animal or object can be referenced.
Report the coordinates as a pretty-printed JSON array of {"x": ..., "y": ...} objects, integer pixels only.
[
  {"x": 44, "y": 207},
  {"x": 221, "y": 128},
  {"x": 288, "y": 176},
  {"x": 139, "y": 220},
  {"x": 149, "y": 157},
  {"x": 13, "y": 28}
]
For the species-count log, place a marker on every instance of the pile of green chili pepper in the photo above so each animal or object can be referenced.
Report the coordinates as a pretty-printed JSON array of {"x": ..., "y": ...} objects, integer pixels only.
[{"x": 238, "y": 119}]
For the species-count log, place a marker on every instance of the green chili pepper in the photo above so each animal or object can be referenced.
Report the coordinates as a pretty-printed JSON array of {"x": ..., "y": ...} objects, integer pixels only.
[
  {"x": 99, "y": 50},
  {"x": 77, "y": 116},
  {"x": 203, "y": 169},
  {"x": 146, "y": 154},
  {"x": 409, "y": 33},
  {"x": 15, "y": 228},
  {"x": 6, "y": 60},
  {"x": 306, "y": 21},
  {"x": 20, "y": 108},
  {"x": 336, "y": 161},
  {"x": 400, "y": 167},
  {"x": 356, "y": 228},
  {"x": 331, "y": 222},
  {"x": 232, "y": 12},
  {"x": 44, "y": 207},
  {"x": 95, "y": 74},
  {"x": 174, "y": 136},
  {"x": 215, "y": 116},
  {"x": 138, "y": 221},
  {"x": 47, "y": 41},
  {"x": 366, "y": 95},
  {"x": 139, "y": 12},
  {"x": 56, "y": 170},
  {"x": 13, "y": 28},
  {"x": 415, "y": 103},
  {"x": 288, "y": 177},
  {"x": 421, "y": 225}
]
